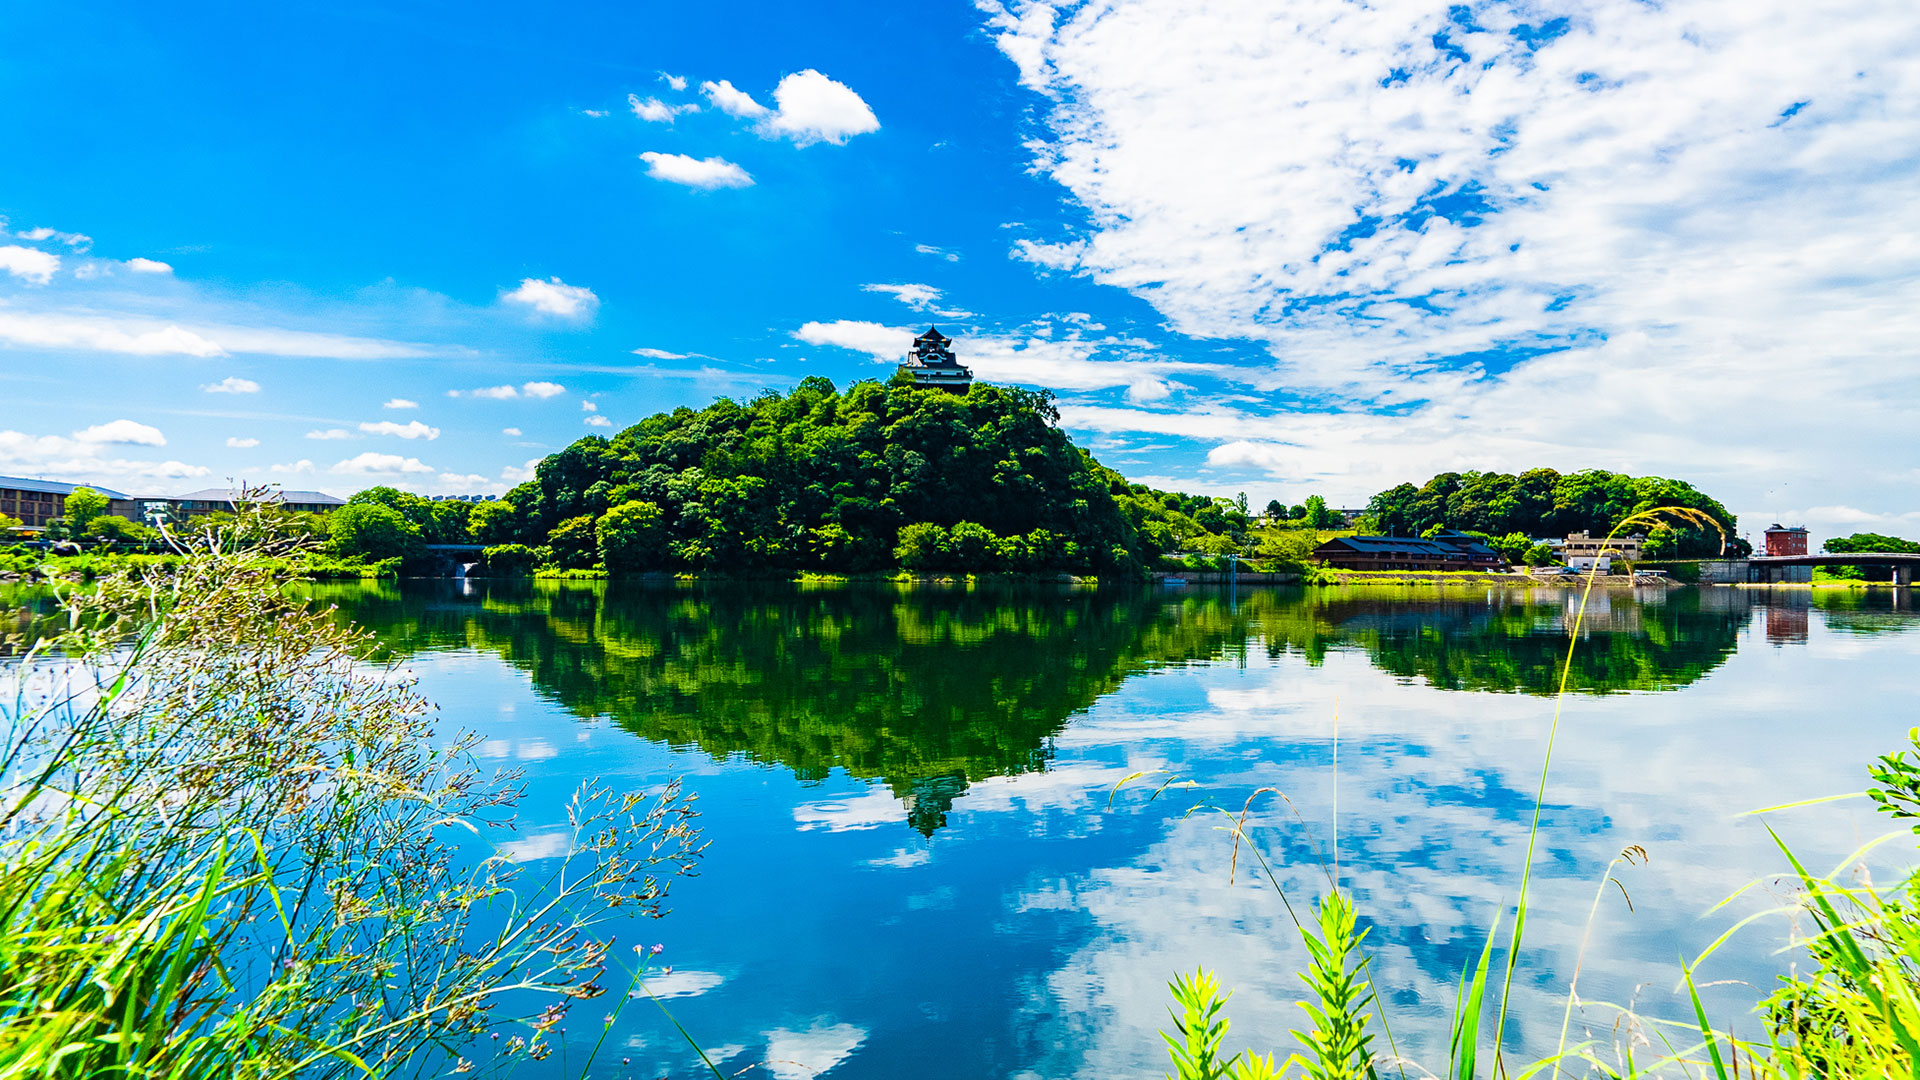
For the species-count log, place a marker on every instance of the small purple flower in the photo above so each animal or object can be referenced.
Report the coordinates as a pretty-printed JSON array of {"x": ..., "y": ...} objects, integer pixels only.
[{"x": 657, "y": 950}]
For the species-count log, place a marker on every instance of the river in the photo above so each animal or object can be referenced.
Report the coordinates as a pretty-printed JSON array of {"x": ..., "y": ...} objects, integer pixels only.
[{"x": 925, "y": 862}]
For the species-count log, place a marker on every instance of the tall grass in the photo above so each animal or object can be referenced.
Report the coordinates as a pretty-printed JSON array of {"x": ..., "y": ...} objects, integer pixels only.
[
  {"x": 1854, "y": 1013},
  {"x": 231, "y": 845}
]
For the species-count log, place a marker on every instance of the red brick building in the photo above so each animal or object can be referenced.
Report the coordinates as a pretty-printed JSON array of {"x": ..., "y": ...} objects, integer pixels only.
[{"x": 1784, "y": 541}]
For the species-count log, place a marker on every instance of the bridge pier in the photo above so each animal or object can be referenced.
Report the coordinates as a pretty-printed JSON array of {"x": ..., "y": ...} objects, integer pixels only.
[{"x": 1903, "y": 575}]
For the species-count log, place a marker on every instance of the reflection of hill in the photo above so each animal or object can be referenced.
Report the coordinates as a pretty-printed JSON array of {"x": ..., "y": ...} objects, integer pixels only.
[
  {"x": 929, "y": 689},
  {"x": 923, "y": 689},
  {"x": 1515, "y": 642}
]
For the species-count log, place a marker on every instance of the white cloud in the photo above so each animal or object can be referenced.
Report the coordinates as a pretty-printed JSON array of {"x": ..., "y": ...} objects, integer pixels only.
[
  {"x": 498, "y": 393},
  {"x": 918, "y": 297},
  {"x": 330, "y": 434},
  {"x": 143, "y": 336},
  {"x": 148, "y": 266},
  {"x": 596, "y": 420},
  {"x": 520, "y": 474},
  {"x": 703, "y": 173},
  {"x": 232, "y": 384},
  {"x": 588, "y": 406},
  {"x": 1066, "y": 363},
  {"x": 1696, "y": 204},
  {"x": 411, "y": 430},
  {"x": 375, "y": 464},
  {"x": 242, "y": 444},
  {"x": 294, "y": 467},
  {"x": 680, "y": 983},
  {"x": 813, "y": 108},
  {"x": 400, "y": 403},
  {"x": 805, "y": 1055},
  {"x": 542, "y": 389},
  {"x": 937, "y": 252},
  {"x": 21, "y": 453},
  {"x": 677, "y": 82},
  {"x": 554, "y": 297},
  {"x": 79, "y": 241},
  {"x": 464, "y": 483},
  {"x": 660, "y": 354},
  {"x": 731, "y": 101},
  {"x": 125, "y": 432},
  {"x": 653, "y": 110},
  {"x": 29, "y": 264},
  {"x": 513, "y": 431}
]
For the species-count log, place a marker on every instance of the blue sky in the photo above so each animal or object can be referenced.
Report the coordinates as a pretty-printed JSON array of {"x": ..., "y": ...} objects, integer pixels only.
[{"x": 1322, "y": 247}]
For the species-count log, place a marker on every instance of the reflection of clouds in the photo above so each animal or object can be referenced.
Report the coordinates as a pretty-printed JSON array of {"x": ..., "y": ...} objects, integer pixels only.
[
  {"x": 541, "y": 845},
  {"x": 1435, "y": 796},
  {"x": 523, "y": 749},
  {"x": 678, "y": 983},
  {"x": 904, "y": 858},
  {"x": 802, "y": 1055},
  {"x": 1071, "y": 786}
]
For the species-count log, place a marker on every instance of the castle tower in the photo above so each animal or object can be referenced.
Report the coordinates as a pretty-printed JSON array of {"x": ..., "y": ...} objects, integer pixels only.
[{"x": 932, "y": 363}]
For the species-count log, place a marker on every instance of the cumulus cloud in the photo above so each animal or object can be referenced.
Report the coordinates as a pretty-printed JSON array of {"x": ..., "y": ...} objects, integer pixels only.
[
  {"x": 412, "y": 430},
  {"x": 732, "y": 101},
  {"x": 677, "y": 82},
  {"x": 293, "y": 467},
  {"x": 125, "y": 432},
  {"x": 706, "y": 174},
  {"x": 520, "y": 474},
  {"x": 29, "y": 264},
  {"x": 596, "y": 420},
  {"x": 1461, "y": 225},
  {"x": 653, "y": 110},
  {"x": 400, "y": 403},
  {"x": 513, "y": 431},
  {"x": 330, "y": 434},
  {"x": 148, "y": 266},
  {"x": 812, "y": 108},
  {"x": 232, "y": 384},
  {"x": 375, "y": 464},
  {"x": 918, "y": 297},
  {"x": 554, "y": 297},
  {"x": 542, "y": 389},
  {"x": 1070, "y": 362},
  {"x": 242, "y": 444}
]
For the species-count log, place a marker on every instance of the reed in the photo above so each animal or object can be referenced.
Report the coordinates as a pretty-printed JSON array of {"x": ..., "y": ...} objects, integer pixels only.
[{"x": 232, "y": 844}]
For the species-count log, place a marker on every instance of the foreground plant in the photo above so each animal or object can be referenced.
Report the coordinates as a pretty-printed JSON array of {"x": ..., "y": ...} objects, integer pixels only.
[{"x": 230, "y": 845}]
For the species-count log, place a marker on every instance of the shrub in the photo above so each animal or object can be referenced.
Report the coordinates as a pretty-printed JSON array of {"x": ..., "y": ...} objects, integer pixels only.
[
  {"x": 508, "y": 560},
  {"x": 922, "y": 546},
  {"x": 574, "y": 544},
  {"x": 632, "y": 538}
]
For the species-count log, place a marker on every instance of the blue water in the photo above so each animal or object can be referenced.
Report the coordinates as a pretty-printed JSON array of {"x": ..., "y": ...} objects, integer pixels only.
[{"x": 920, "y": 864}]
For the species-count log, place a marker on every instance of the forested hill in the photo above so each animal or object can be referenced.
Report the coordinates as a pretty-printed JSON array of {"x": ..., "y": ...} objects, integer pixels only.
[
  {"x": 1542, "y": 502},
  {"x": 880, "y": 476}
]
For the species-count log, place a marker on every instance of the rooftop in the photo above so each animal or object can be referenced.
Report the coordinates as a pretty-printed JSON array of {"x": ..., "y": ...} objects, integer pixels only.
[
  {"x": 228, "y": 494},
  {"x": 21, "y": 483}
]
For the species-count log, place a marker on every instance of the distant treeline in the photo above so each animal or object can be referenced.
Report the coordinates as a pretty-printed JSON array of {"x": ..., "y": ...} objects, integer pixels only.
[
  {"x": 1866, "y": 541},
  {"x": 1542, "y": 503}
]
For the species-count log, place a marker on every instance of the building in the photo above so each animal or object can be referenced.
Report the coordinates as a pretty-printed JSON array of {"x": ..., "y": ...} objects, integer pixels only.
[
  {"x": 35, "y": 502},
  {"x": 1589, "y": 548},
  {"x": 1786, "y": 541},
  {"x": 1442, "y": 551},
  {"x": 221, "y": 500},
  {"x": 932, "y": 363}
]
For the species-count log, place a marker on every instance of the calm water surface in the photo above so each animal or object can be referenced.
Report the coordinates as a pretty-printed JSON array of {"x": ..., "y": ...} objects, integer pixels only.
[{"x": 920, "y": 866}]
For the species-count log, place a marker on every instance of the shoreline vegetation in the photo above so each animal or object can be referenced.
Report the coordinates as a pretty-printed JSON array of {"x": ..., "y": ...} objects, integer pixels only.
[
  {"x": 320, "y": 896},
  {"x": 887, "y": 479}
]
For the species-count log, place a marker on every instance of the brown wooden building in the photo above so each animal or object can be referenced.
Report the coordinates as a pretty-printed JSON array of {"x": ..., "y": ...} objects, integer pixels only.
[
  {"x": 1443, "y": 551},
  {"x": 35, "y": 502}
]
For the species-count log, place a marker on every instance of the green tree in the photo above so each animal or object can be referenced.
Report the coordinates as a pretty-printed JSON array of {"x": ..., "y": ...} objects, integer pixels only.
[
  {"x": 372, "y": 531},
  {"x": 573, "y": 543},
  {"x": 1867, "y": 541},
  {"x": 508, "y": 560},
  {"x": 496, "y": 522},
  {"x": 922, "y": 546},
  {"x": 119, "y": 530},
  {"x": 83, "y": 505},
  {"x": 632, "y": 538},
  {"x": 1275, "y": 511},
  {"x": 1319, "y": 515}
]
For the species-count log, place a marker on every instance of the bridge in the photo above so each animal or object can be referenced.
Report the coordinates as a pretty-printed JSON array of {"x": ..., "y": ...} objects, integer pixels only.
[
  {"x": 1779, "y": 569},
  {"x": 1902, "y": 562}
]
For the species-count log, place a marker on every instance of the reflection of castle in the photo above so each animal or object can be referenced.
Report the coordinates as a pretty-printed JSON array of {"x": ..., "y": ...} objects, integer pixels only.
[{"x": 933, "y": 365}]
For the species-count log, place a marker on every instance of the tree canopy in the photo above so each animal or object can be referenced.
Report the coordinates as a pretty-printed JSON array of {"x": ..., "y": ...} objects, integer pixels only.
[{"x": 1545, "y": 503}]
